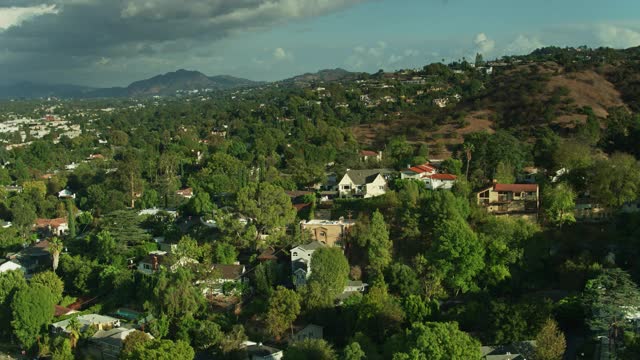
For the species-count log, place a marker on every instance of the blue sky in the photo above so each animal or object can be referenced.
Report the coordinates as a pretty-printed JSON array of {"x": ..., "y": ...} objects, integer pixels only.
[{"x": 118, "y": 42}]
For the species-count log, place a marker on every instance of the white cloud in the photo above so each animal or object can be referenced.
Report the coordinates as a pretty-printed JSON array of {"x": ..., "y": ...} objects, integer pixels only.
[
  {"x": 483, "y": 44},
  {"x": 617, "y": 37},
  {"x": 523, "y": 45},
  {"x": 280, "y": 54},
  {"x": 14, "y": 16}
]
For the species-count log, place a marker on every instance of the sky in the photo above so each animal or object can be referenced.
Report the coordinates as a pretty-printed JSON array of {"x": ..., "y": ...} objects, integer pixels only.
[{"x": 115, "y": 42}]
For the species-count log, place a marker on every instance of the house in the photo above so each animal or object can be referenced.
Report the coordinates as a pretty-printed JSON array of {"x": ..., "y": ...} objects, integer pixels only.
[
  {"x": 529, "y": 175},
  {"x": 311, "y": 331},
  {"x": 186, "y": 193},
  {"x": 301, "y": 261},
  {"x": 328, "y": 232},
  {"x": 418, "y": 172},
  {"x": 95, "y": 157},
  {"x": 589, "y": 210},
  {"x": 71, "y": 166},
  {"x": 155, "y": 260},
  {"x": 511, "y": 200},
  {"x": 440, "y": 181},
  {"x": 66, "y": 194},
  {"x": 364, "y": 183},
  {"x": 8, "y": 265},
  {"x": 258, "y": 351},
  {"x": 107, "y": 344},
  {"x": 13, "y": 188},
  {"x": 34, "y": 256},
  {"x": 441, "y": 102},
  {"x": 53, "y": 227},
  {"x": 101, "y": 322},
  {"x": 352, "y": 287},
  {"x": 227, "y": 274},
  {"x": 268, "y": 254},
  {"x": 366, "y": 155}
]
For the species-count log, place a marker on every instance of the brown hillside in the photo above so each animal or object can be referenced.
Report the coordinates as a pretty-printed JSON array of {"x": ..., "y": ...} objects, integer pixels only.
[{"x": 588, "y": 88}]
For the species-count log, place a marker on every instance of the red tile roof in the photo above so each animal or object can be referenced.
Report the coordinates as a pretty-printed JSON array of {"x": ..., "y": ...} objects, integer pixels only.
[
  {"x": 448, "y": 177},
  {"x": 185, "y": 192},
  {"x": 300, "y": 207},
  {"x": 515, "y": 187},
  {"x": 54, "y": 223},
  {"x": 368, "y": 153},
  {"x": 419, "y": 169}
]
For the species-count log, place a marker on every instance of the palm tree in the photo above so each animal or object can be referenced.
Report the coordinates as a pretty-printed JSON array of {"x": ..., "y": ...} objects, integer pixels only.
[
  {"x": 468, "y": 149},
  {"x": 74, "y": 331},
  {"x": 55, "y": 247}
]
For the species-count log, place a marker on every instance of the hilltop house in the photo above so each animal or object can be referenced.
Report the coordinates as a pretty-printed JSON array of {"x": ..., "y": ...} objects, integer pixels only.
[
  {"x": 364, "y": 183},
  {"x": 33, "y": 257},
  {"x": 366, "y": 155},
  {"x": 511, "y": 200},
  {"x": 301, "y": 261},
  {"x": 328, "y": 232},
  {"x": 52, "y": 227},
  {"x": 66, "y": 194}
]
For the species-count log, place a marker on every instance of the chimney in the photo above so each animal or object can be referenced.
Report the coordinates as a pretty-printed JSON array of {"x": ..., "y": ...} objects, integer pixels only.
[
  {"x": 341, "y": 219},
  {"x": 154, "y": 262}
]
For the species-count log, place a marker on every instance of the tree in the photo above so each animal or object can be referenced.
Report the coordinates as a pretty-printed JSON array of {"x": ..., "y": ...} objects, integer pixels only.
[
  {"x": 161, "y": 350},
  {"x": 63, "y": 349},
  {"x": 224, "y": 253},
  {"x": 23, "y": 215},
  {"x": 32, "y": 309},
  {"x": 284, "y": 308},
  {"x": 559, "y": 204},
  {"x": 438, "y": 341},
  {"x": 71, "y": 218},
  {"x": 615, "y": 181},
  {"x": 607, "y": 298},
  {"x": 468, "y": 150},
  {"x": 379, "y": 246},
  {"x": 330, "y": 270},
  {"x": 310, "y": 349},
  {"x": 505, "y": 173},
  {"x": 353, "y": 352},
  {"x": 55, "y": 248},
  {"x": 175, "y": 296},
  {"x": 200, "y": 204},
  {"x": 207, "y": 334},
  {"x": 188, "y": 246},
  {"x": 457, "y": 253},
  {"x": 550, "y": 342},
  {"x": 51, "y": 281},
  {"x": 134, "y": 339},
  {"x": 74, "y": 328},
  {"x": 268, "y": 205},
  {"x": 233, "y": 340},
  {"x": 10, "y": 283}
]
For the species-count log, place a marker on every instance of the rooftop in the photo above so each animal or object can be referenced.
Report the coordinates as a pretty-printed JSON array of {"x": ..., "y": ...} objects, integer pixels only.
[
  {"x": 311, "y": 246},
  {"x": 366, "y": 176},
  {"x": 229, "y": 272},
  {"x": 328, "y": 222},
  {"x": 515, "y": 187}
]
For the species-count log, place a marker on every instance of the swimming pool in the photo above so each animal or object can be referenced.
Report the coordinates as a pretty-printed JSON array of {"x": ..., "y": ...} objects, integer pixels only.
[{"x": 128, "y": 314}]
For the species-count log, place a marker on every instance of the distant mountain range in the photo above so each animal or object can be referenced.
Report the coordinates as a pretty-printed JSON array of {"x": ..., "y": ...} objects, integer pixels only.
[{"x": 167, "y": 84}]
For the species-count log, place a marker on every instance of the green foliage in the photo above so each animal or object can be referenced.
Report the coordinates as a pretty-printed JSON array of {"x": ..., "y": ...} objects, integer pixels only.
[
  {"x": 550, "y": 342},
  {"x": 353, "y": 352},
  {"x": 188, "y": 247},
  {"x": 505, "y": 174},
  {"x": 200, "y": 204},
  {"x": 438, "y": 341},
  {"x": 32, "y": 309},
  {"x": 402, "y": 280},
  {"x": 378, "y": 244},
  {"x": 175, "y": 295},
  {"x": 134, "y": 339},
  {"x": 559, "y": 204},
  {"x": 51, "y": 282},
  {"x": 284, "y": 308},
  {"x": 608, "y": 298},
  {"x": 207, "y": 334},
  {"x": 62, "y": 350},
  {"x": 615, "y": 181},
  {"x": 458, "y": 254},
  {"x": 161, "y": 350},
  {"x": 10, "y": 283},
  {"x": 310, "y": 349},
  {"x": 224, "y": 253},
  {"x": 330, "y": 271},
  {"x": 268, "y": 205}
]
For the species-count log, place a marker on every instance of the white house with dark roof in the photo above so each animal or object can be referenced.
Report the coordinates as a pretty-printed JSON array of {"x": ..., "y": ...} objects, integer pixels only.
[
  {"x": 301, "y": 261},
  {"x": 364, "y": 183}
]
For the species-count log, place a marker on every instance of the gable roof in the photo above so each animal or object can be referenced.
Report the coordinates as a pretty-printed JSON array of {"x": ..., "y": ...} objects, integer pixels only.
[
  {"x": 516, "y": 187},
  {"x": 53, "y": 223},
  {"x": 419, "y": 169},
  {"x": 361, "y": 177},
  {"x": 311, "y": 246},
  {"x": 229, "y": 272}
]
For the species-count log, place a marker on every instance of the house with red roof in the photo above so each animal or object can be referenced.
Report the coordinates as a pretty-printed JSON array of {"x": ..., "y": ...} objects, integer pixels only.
[
  {"x": 54, "y": 227},
  {"x": 440, "y": 181},
  {"x": 511, "y": 199},
  {"x": 418, "y": 172}
]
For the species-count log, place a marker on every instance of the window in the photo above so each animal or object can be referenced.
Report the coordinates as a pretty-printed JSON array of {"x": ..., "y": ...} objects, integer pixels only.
[
  {"x": 146, "y": 266},
  {"x": 346, "y": 187},
  {"x": 381, "y": 187},
  {"x": 322, "y": 233},
  {"x": 295, "y": 253}
]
